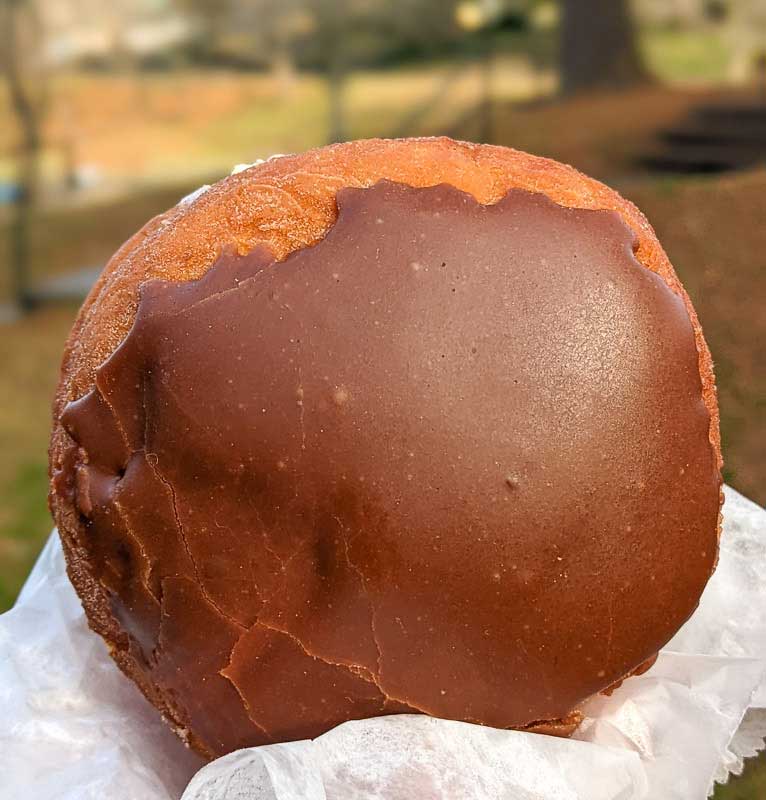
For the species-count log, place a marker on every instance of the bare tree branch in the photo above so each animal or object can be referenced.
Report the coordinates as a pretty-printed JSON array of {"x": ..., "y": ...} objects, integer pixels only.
[{"x": 21, "y": 61}]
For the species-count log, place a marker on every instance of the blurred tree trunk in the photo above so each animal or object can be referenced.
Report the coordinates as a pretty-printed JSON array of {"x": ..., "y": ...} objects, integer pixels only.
[
  {"x": 746, "y": 31},
  {"x": 21, "y": 63},
  {"x": 598, "y": 46},
  {"x": 332, "y": 29},
  {"x": 336, "y": 80},
  {"x": 212, "y": 17}
]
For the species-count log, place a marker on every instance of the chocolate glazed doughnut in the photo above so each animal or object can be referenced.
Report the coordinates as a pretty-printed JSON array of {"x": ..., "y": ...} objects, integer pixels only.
[{"x": 388, "y": 427}]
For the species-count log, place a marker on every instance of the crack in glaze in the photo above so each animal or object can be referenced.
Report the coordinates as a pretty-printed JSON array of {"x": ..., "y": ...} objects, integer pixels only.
[
  {"x": 362, "y": 581},
  {"x": 149, "y": 565},
  {"x": 182, "y": 312},
  {"x": 355, "y": 669},
  {"x": 182, "y": 534},
  {"x": 330, "y": 663},
  {"x": 376, "y": 676},
  {"x": 361, "y": 674},
  {"x": 273, "y": 553},
  {"x": 267, "y": 545},
  {"x": 283, "y": 562},
  {"x": 146, "y": 572},
  {"x": 248, "y": 710},
  {"x": 154, "y": 467},
  {"x": 279, "y": 584},
  {"x": 161, "y": 646},
  {"x": 117, "y": 421}
]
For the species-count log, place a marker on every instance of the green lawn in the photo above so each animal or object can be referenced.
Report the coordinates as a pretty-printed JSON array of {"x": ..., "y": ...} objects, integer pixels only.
[
  {"x": 687, "y": 56},
  {"x": 751, "y": 785},
  {"x": 29, "y": 354}
]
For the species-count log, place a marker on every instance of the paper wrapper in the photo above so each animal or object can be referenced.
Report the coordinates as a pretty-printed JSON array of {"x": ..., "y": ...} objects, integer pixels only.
[{"x": 73, "y": 728}]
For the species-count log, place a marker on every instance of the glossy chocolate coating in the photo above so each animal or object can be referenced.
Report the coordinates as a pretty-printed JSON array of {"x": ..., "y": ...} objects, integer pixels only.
[{"x": 453, "y": 459}]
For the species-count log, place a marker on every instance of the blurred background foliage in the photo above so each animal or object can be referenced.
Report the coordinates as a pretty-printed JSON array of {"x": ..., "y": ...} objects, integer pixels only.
[{"x": 110, "y": 112}]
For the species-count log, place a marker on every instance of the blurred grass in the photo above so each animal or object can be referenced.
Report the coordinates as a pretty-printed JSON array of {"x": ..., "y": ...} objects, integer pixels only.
[
  {"x": 169, "y": 126},
  {"x": 30, "y": 350},
  {"x": 751, "y": 785},
  {"x": 687, "y": 56}
]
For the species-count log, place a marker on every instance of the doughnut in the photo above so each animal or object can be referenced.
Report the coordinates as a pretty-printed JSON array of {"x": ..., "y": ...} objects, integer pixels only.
[{"x": 407, "y": 426}]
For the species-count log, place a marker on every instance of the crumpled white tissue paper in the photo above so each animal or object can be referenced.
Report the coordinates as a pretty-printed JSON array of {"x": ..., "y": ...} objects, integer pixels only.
[{"x": 73, "y": 728}]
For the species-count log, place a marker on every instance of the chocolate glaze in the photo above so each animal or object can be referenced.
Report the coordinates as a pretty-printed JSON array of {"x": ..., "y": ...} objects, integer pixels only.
[{"x": 452, "y": 459}]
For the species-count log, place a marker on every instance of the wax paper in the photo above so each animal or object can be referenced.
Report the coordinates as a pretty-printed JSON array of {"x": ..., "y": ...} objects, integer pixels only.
[{"x": 72, "y": 727}]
